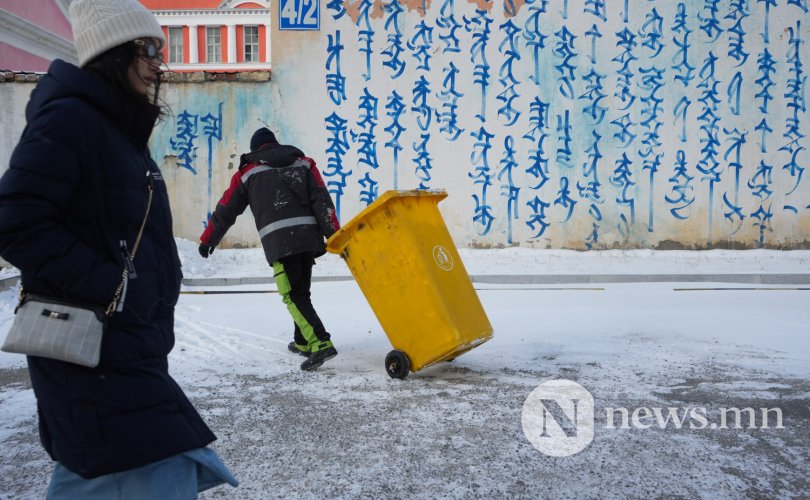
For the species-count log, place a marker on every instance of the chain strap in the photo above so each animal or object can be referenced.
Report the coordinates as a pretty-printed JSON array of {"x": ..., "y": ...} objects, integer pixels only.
[{"x": 111, "y": 308}]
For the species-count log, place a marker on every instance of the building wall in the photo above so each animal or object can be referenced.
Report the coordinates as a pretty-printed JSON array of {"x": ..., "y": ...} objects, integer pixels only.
[
  {"x": 34, "y": 32},
  {"x": 676, "y": 127},
  {"x": 15, "y": 96},
  {"x": 13, "y": 57},
  {"x": 567, "y": 123},
  {"x": 44, "y": 14},
  {"x": 180, "y": 4},
  {"x": 199, "y": 144},
  {"x": 230, "y": 17}
]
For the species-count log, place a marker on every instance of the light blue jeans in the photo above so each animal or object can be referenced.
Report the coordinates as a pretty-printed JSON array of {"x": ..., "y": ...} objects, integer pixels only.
[{"x": 179, "y": 477}]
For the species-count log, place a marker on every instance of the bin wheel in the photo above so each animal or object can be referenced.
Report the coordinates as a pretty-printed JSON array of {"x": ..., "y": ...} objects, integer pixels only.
[{"x": 397, "y": 364}]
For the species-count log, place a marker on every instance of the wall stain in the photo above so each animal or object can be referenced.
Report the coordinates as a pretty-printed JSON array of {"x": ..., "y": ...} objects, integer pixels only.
[
  {"x": 511, "y": 9},
  {"x": 353, "y": 9},
  {"x": 484, "y": 5},
  {"x": 515, "y": 6},
  {"x": 420, "y": 6}
]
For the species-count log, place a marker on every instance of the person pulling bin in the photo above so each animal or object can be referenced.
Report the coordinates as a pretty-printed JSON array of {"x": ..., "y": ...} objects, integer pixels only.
[{"x": 294, "y": 213}]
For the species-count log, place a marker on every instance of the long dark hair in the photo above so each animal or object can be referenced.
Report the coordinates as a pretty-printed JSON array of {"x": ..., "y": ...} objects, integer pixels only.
[{"x": 113, "y": 65}]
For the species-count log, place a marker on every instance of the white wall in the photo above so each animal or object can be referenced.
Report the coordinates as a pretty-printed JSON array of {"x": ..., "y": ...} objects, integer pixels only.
[
  {"x": 13, "y": 97},
  {"x": 682, "y": 158},
  {"x": 685, "y": 91}
]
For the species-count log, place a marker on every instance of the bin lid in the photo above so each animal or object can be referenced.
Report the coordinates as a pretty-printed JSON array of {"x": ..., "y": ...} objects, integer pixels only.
[{"x": 337, "y": 241}]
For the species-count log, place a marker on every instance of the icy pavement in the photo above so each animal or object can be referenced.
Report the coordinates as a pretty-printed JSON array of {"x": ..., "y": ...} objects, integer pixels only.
[{"x": 454, "y": 430}]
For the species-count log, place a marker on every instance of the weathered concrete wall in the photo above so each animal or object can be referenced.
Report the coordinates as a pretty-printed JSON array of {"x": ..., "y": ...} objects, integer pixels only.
[
  {"x": 566, "y": 124},
  {"x": 199, "y": 143},
  {"x": 13, "y": 98}
]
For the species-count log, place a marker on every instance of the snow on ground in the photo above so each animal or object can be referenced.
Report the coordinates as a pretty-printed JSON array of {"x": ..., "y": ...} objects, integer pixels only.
[{"x": 454, "y": 430}]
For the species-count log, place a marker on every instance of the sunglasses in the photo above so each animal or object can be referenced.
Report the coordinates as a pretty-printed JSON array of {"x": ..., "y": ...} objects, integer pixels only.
[{"x": 149, "y": 50}]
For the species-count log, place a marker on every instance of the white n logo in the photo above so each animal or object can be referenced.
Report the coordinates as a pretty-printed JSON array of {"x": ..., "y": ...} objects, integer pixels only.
[{"x": 558, "y": 419}]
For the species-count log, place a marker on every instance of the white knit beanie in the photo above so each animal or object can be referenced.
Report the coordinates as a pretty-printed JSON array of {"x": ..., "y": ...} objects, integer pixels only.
[{"x": 99, "y": 25}]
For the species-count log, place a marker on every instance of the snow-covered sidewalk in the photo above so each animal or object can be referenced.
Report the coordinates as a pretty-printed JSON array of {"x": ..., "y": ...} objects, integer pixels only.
[
  {"x": 518, "y": 261},
  {"x": 454, "y": 430}
]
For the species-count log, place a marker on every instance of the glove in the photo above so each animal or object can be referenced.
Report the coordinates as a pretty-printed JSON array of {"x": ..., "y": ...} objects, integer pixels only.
[{"x": 206, "y": 250}]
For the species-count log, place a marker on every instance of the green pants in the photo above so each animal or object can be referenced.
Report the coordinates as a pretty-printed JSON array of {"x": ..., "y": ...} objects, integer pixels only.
[{"x": 293, "y": 275}]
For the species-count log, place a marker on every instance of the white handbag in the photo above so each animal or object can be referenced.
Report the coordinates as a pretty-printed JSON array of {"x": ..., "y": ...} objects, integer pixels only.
[{"x": 56, "y": 329}]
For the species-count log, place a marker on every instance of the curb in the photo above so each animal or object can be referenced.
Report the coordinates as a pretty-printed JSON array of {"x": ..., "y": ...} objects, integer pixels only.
[
  {"x": 557, "y": 279},
  {"x": 530, "y": 279}
]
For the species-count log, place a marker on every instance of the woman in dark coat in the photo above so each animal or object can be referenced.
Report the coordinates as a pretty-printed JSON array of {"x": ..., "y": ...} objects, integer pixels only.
[{"x": 71, "y": 204}]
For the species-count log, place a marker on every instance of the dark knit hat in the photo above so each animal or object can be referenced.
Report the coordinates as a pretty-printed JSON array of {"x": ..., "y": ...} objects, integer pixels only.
[{"x": 261, "y": 137}]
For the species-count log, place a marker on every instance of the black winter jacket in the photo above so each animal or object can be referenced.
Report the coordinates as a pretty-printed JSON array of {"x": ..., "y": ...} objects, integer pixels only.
[
  {"x": 290, "y": 203},
  {"x": 76, "y": 188}
]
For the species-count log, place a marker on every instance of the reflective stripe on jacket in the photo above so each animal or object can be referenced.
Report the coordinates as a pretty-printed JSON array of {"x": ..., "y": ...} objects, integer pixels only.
[{"x": 292, "y": 208}]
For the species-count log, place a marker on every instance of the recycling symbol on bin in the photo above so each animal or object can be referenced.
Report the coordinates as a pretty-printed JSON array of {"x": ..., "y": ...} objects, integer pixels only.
[{"x": 442, "y": 258}]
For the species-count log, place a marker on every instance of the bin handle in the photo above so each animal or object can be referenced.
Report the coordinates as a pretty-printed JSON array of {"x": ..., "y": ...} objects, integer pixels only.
[{"x": 337, "y": 242}]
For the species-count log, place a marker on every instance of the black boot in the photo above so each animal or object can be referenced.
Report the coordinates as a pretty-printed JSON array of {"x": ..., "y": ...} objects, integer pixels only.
[{"x": 317, "y": 358}]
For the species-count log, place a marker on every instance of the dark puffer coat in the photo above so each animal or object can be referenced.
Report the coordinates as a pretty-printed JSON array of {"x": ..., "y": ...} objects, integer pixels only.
[
  {"x": 76, "y": 188},
  {"x": 290, "y": 203}
]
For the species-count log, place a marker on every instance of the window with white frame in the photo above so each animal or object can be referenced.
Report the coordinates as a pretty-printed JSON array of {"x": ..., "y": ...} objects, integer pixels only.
[
  {"x": 176, "y": 45},
  {"x": 213, "y": 44},
  {"x": 251, "y": 43}
]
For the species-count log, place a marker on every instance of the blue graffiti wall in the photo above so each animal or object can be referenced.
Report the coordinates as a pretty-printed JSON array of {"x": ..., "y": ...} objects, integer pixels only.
[
  {"x": 584, "y": 124},
  {"x": 575, "y": 123}
]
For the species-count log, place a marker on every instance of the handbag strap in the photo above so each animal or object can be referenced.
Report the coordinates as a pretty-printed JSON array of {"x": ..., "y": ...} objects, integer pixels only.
[{"x": 117, "y": 296}]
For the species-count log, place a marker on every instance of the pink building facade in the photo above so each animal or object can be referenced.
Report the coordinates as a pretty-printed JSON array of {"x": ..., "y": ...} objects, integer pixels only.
[
  {"x": 201, "y": 35},
  {"x": 33, "y": 33}
]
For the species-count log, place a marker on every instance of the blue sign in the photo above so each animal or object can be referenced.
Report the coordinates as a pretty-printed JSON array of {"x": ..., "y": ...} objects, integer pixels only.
[{"x": 299, "y": 15}]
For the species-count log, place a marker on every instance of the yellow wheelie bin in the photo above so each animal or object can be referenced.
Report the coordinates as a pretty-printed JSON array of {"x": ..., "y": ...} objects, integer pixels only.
[{"x": 404, "y": 260}]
